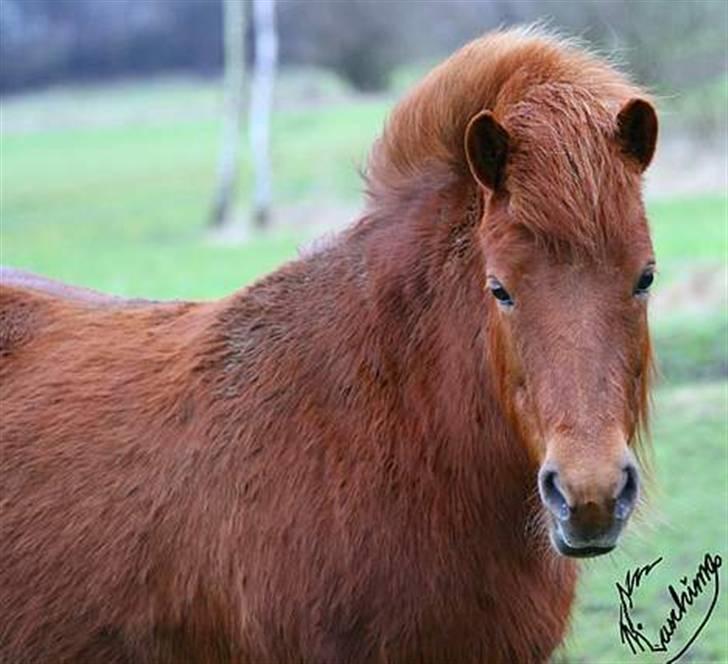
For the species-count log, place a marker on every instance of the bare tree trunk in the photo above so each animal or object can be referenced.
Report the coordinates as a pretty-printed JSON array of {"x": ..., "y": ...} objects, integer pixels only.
[
  {"x": 227, "y": 171},
  {"x": 261, "y": 99}
]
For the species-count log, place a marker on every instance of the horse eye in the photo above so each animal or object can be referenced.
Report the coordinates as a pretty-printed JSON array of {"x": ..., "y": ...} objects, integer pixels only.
[
  {"x": 500, "y": 293},
  {"x": 644, "y": 282}
]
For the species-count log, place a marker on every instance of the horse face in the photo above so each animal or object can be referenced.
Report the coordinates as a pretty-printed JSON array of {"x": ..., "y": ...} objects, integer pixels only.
[
  {"x": 568, "y": 315},
  {"x": 576, "y": 352}
]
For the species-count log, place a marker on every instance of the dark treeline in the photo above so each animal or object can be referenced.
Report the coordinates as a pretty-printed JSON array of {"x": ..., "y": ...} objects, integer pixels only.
[{"x": 668, "y": 44}]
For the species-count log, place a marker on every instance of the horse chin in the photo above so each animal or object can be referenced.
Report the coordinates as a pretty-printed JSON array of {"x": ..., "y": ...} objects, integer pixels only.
[{"x": 564, "y": 549}]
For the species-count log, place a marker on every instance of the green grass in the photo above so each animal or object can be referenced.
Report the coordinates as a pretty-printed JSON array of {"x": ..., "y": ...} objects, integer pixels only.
[
  {"x": 120, "y": 205},
  {"x": 693, "y": 228},
  {"x": 123, "y": 207},
  {"x": 692, "y": 348}
]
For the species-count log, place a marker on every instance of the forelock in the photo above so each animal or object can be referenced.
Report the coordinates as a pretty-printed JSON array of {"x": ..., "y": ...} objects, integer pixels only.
[{"x": 566, "y": 181}]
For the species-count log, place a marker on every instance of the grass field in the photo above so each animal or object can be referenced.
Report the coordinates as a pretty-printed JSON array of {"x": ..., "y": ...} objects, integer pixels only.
[
  {"x": 85, "y": 204},
  {"x": 117, "y": 200}
]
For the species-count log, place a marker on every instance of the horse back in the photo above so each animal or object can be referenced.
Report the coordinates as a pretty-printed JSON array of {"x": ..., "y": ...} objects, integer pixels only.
[
  {"x": 31, "y": 304},
  {"x": 29, "y": 281}
]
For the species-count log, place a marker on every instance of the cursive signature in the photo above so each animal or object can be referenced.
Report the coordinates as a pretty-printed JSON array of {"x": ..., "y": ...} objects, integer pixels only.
[{"x": 683, "y": 596}]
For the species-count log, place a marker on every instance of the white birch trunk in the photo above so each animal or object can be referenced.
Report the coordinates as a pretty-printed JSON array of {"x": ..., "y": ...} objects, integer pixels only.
[
  {"x": 228, "y": 165},
  {"x": 261, "y": 101}
]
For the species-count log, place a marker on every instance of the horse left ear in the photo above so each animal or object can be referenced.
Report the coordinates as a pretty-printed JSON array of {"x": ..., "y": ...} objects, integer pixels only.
[
  {"x": 637, "y": 131},
  {"x": 486, "y": 149}
]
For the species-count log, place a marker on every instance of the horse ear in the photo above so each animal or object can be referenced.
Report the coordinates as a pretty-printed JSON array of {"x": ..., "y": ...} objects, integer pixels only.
[
  {"x": 486, "y": 148},
  {"x": 637, "y": 131}
]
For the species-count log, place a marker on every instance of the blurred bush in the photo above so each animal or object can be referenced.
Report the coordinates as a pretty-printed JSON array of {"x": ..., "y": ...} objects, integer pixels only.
[
  {"x": 671, "y": 46},
  {"x": 52, "y": 41}
]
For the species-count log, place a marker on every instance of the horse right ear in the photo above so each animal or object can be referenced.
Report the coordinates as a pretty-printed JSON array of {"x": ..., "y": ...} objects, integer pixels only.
[
  {"x": 486, "y": 148},
  {"x": 637, "y": 131}
]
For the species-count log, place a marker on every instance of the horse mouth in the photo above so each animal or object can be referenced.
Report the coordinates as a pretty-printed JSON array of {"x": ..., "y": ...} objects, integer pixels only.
[{"x": 587, "y": 551}]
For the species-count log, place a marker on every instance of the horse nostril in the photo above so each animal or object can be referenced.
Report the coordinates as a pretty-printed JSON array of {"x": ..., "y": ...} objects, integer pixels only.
[
  {"x": 627, "y": 496},
  {"x": 552, "y": 495}
]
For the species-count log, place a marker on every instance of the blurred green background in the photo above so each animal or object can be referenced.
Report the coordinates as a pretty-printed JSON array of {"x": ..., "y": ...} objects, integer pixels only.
[{"x": 108, "y": 185}]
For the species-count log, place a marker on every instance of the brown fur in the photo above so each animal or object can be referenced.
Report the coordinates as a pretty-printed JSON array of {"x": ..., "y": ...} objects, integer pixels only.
[{"x": 332, "y": 465}]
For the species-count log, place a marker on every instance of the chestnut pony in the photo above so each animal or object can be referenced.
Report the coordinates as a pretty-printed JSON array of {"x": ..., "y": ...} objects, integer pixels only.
[{"x": 389, "y": 450}]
